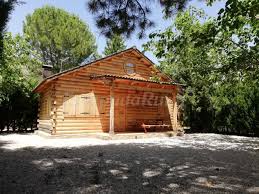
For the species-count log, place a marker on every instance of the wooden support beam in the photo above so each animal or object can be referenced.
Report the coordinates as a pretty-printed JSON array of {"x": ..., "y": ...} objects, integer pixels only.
[
  {"x": 111, "y": 130},
  {"x": 175, "y": 110}
]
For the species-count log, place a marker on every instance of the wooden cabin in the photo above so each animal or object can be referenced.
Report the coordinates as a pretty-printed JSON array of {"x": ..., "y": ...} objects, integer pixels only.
[{"x": 123, "y": 92}]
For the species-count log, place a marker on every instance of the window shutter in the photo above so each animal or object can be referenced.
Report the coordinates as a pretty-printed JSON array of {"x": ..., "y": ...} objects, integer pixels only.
[
  {"x": 69, "y": 105},
  {"x": 86, "y": 105},
  {"x": 83, "y": 105}
]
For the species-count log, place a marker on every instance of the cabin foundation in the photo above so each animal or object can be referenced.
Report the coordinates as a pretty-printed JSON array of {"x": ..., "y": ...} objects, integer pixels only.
[{"x": 107, "y": 136}]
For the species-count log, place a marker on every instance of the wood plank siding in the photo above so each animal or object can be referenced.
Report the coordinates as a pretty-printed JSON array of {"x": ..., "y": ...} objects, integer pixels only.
[
  {"x": 73, "y": 102},
  {"x": 44, "y": 114}
]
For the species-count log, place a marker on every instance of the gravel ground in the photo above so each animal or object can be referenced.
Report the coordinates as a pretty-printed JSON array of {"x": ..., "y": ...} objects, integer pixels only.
[{"x": 195, "y": 163}]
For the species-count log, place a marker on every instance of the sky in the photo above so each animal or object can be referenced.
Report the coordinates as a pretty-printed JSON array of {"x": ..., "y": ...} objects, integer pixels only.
[{"x": 79, "y": 8}]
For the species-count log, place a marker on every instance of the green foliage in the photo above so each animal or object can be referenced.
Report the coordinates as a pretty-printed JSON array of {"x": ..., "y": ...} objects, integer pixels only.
[
  {"x": 19, "y": 74},
  {"x": 155, "y": 78},
  {"x": 126, "y": 17},
  {"x": 61, "y": 38},
  {"x": 238, "y": 14},
  {"x": 22, "y": 64},
  {"x": 6, "y": 8},
  {"x": 114, "y": 44},
  {"x": 218, "y": 64}
]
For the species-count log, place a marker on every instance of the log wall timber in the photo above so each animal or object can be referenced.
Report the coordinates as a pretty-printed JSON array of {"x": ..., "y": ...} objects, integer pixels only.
[
  {"x": 141, "y": 106},
  {"x": 75, "y": 103},
  {"x": 84, "y": 93},
  {"x": 44, "y": 116},
  {"x": 132, "y": 105},
  {"x": 116, "y": 65}
]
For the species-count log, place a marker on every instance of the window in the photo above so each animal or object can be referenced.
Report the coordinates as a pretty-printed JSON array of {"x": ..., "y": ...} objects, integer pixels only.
[
  {"x": 130, "y": 68},
  {"x": 83, "y": 105}
]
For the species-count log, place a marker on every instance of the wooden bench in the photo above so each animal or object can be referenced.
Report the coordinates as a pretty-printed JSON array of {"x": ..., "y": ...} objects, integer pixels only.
[{"x": 157, "y": 124}]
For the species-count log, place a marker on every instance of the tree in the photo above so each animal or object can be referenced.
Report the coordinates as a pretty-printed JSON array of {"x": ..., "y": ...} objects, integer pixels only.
[
  {"x": 236, "y": 14},
  {"x": 6, "y": 8},
  {"x": 125, "y": 17},
  {"x": 128, "y": 16},
  {"x": 19, "y": 74},
  {"x": 61, "y": 38},
  {"x": 114, "y": 44},
  {"x": 189, "y": 64},
  {"x": 219, "y": 66}
]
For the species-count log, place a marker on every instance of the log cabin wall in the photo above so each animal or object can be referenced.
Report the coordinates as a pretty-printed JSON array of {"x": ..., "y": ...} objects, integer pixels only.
[
  {"x": 44, "y": 115},
  {"x": 134, "y": 107},
  {"x": 78, "y": 104},
  {"x": 116, "y": 66},
  {"x": 82, "y": 106}
]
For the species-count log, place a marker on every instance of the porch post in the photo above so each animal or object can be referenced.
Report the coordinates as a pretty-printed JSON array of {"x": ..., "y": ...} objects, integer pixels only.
[
  {"x": 175, "y": 110},
  {"x": 111, "y": 130}
]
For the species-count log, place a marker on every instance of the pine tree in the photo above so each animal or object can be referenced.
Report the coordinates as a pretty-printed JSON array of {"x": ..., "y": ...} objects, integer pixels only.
[
  {"x": 62, "y": 39},
  {"x": 114, "y": 44}
]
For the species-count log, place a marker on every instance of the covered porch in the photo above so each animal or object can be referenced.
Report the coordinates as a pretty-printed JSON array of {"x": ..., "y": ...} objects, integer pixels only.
[{"x": 138, "y": 106}]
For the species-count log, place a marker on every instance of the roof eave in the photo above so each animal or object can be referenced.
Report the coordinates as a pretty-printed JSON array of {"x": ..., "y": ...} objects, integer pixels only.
[{"x": 134, "y": 79}]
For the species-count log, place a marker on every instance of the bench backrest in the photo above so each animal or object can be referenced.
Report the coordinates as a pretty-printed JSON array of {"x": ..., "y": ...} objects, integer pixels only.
[{"x": 149, "y": 122}]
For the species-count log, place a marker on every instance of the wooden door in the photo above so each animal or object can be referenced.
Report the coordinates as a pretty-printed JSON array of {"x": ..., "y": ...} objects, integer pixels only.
[{"x": 120, "y": 113}]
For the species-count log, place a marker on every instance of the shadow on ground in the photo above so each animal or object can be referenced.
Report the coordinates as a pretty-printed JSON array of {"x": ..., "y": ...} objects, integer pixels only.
[
  {"x": 128, "y": 168},
  {"x": 6, "y": 132}
]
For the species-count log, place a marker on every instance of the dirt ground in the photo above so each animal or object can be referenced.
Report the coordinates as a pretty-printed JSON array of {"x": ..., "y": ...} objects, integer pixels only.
[{"x": 195, "y": 163}]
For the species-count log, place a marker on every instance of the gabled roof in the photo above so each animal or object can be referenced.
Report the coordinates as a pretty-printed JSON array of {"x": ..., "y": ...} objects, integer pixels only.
[{"x": 55, "y": 76}]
